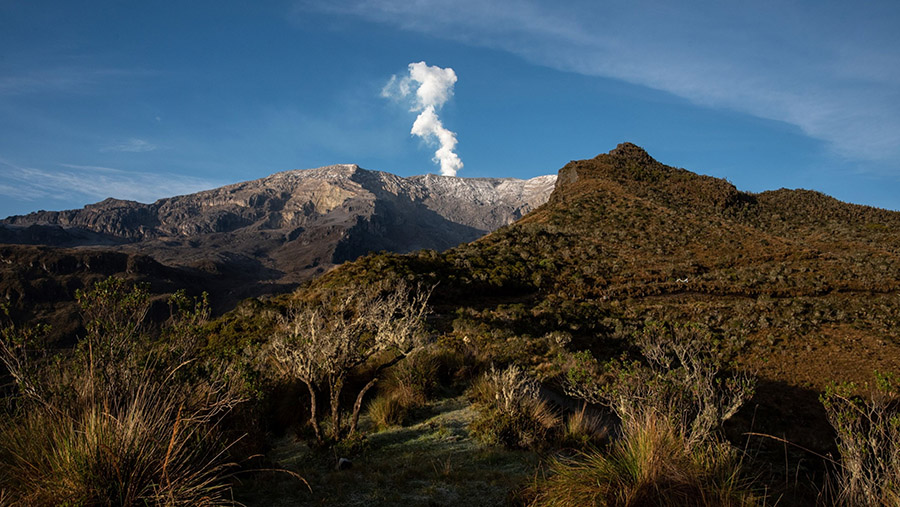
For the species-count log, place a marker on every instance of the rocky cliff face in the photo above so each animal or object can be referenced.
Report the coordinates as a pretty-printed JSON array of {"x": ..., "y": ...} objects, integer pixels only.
[{"x": 292, "y": 224}]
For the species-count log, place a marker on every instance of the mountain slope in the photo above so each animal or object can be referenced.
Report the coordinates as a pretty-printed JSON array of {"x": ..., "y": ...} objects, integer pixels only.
[
  {"x": 791, "y": 284},
  {"x": 624, "y": 224}
]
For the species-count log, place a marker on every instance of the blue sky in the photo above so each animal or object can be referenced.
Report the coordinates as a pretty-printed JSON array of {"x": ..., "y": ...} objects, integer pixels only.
[{"x": 142, "y": 100}]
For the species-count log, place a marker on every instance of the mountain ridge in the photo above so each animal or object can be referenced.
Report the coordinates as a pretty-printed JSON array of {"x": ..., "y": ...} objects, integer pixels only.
[
  {"x": 270, "y": 194},
  {"x": 293, "y": 221}
]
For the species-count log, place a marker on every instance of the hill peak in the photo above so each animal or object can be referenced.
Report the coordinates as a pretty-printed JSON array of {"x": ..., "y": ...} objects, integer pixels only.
[
  {"x": 631, "y": 151},
  {"x": 628, "y": 170}
]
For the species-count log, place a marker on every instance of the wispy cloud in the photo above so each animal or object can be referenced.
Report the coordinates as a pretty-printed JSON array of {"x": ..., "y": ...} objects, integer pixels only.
[
  {"x": 830, "y": 68},
  {"x": 65, "y": 79},
  {"x": 71, "y": 182},
  {"x": 94, "y": 168},
  {"x": 132, "y": 145}
]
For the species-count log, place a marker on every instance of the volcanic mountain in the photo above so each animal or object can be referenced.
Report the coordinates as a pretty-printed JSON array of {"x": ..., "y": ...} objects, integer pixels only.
[{"x": 292, "y": 224}]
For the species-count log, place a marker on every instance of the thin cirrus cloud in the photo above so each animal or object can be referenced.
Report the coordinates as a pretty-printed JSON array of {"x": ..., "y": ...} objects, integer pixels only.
[
  {"x": 73, "y": 182},
  {"x": 132, "y": 145},
  {"x": 66, "y": 79},
  {"x": 827, "y": 68}
]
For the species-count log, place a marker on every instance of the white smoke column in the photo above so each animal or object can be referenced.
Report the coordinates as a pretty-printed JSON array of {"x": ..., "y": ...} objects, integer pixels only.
[{"x": 435, "y": 87}]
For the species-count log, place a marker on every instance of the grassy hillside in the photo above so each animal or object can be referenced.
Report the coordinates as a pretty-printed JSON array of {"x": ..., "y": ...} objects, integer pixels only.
[
  {"x": 795, "y": 286},
  {"x": 656, "y": 335}
]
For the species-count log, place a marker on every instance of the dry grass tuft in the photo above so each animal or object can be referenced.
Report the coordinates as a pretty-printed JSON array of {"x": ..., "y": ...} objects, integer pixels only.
[
  {"x": 649, "y": 465},
  {"x": 583, "y": 429}
]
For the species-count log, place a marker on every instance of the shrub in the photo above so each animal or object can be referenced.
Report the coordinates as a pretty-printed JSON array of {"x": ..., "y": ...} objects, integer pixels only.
[
  {"x": 678, "y": 380},
  {"x": 510, "y": 411},
  {"x": 667, "y": 451},
  {"x": 868, "y": 440},
  {"x": 319, "y": 344}
]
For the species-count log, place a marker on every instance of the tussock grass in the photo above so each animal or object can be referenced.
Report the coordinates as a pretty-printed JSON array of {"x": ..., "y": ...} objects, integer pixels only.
[
  {"x": 145, "y": 446},
  {"x": 668, "y": 450},
  {"x": 408, "y": 387},
  {"x": 650, "y": 464},
  {"x": 583, "y": 429},
  {"x": 414, "y": 380},
  {"x": 387, "y": 410},
  {"x": 510, "y": 411}
]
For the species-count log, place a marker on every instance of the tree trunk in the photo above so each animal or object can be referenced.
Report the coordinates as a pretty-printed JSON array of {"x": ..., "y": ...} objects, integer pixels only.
[
  {"x": 354, "y": 422},
  {"x": 336, "y": 387},
  {"x": 313, "y": 420}
]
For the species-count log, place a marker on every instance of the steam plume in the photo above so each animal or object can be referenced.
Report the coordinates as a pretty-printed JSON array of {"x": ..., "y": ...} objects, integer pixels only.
[{"x": 435, "y": 87}]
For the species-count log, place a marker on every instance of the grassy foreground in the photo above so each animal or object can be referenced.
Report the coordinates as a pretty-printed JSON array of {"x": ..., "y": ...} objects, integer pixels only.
[{"x": 432, "y": 461}]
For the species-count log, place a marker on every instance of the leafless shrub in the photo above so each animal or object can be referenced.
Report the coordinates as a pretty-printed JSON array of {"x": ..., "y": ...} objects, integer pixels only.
[
  {"x": 679, "y": 380},
  {"x": 320, "y": 343}
]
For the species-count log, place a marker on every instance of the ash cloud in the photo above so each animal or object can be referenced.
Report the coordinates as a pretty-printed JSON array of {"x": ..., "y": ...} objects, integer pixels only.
[{"x": 429, "y": 88}]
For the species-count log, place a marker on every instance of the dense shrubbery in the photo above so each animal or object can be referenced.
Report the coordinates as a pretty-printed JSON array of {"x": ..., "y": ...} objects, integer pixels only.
[
  {"x": 511, "y": 411},
  {"x": 115, "y": 422}
]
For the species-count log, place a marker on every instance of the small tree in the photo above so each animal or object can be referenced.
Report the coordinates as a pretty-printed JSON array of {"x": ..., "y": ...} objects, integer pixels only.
[
  {"x": 321, "y": 343},
  {"x": 114, "y": 311}
]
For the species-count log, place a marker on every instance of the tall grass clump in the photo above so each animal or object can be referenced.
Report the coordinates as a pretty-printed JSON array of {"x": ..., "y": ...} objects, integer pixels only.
[
  {"x": 668, "y": 451},
  {"x": 510, "y": 410},
  {"x": 583, "y": 429},
  {"x": 407, "y": 387},
  {"x": 112, "y": 422},
  {"x": 868, "y": 441}
]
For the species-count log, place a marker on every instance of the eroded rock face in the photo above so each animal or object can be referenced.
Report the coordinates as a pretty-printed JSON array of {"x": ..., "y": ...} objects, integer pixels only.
[{"x": 292, "y": 224}]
